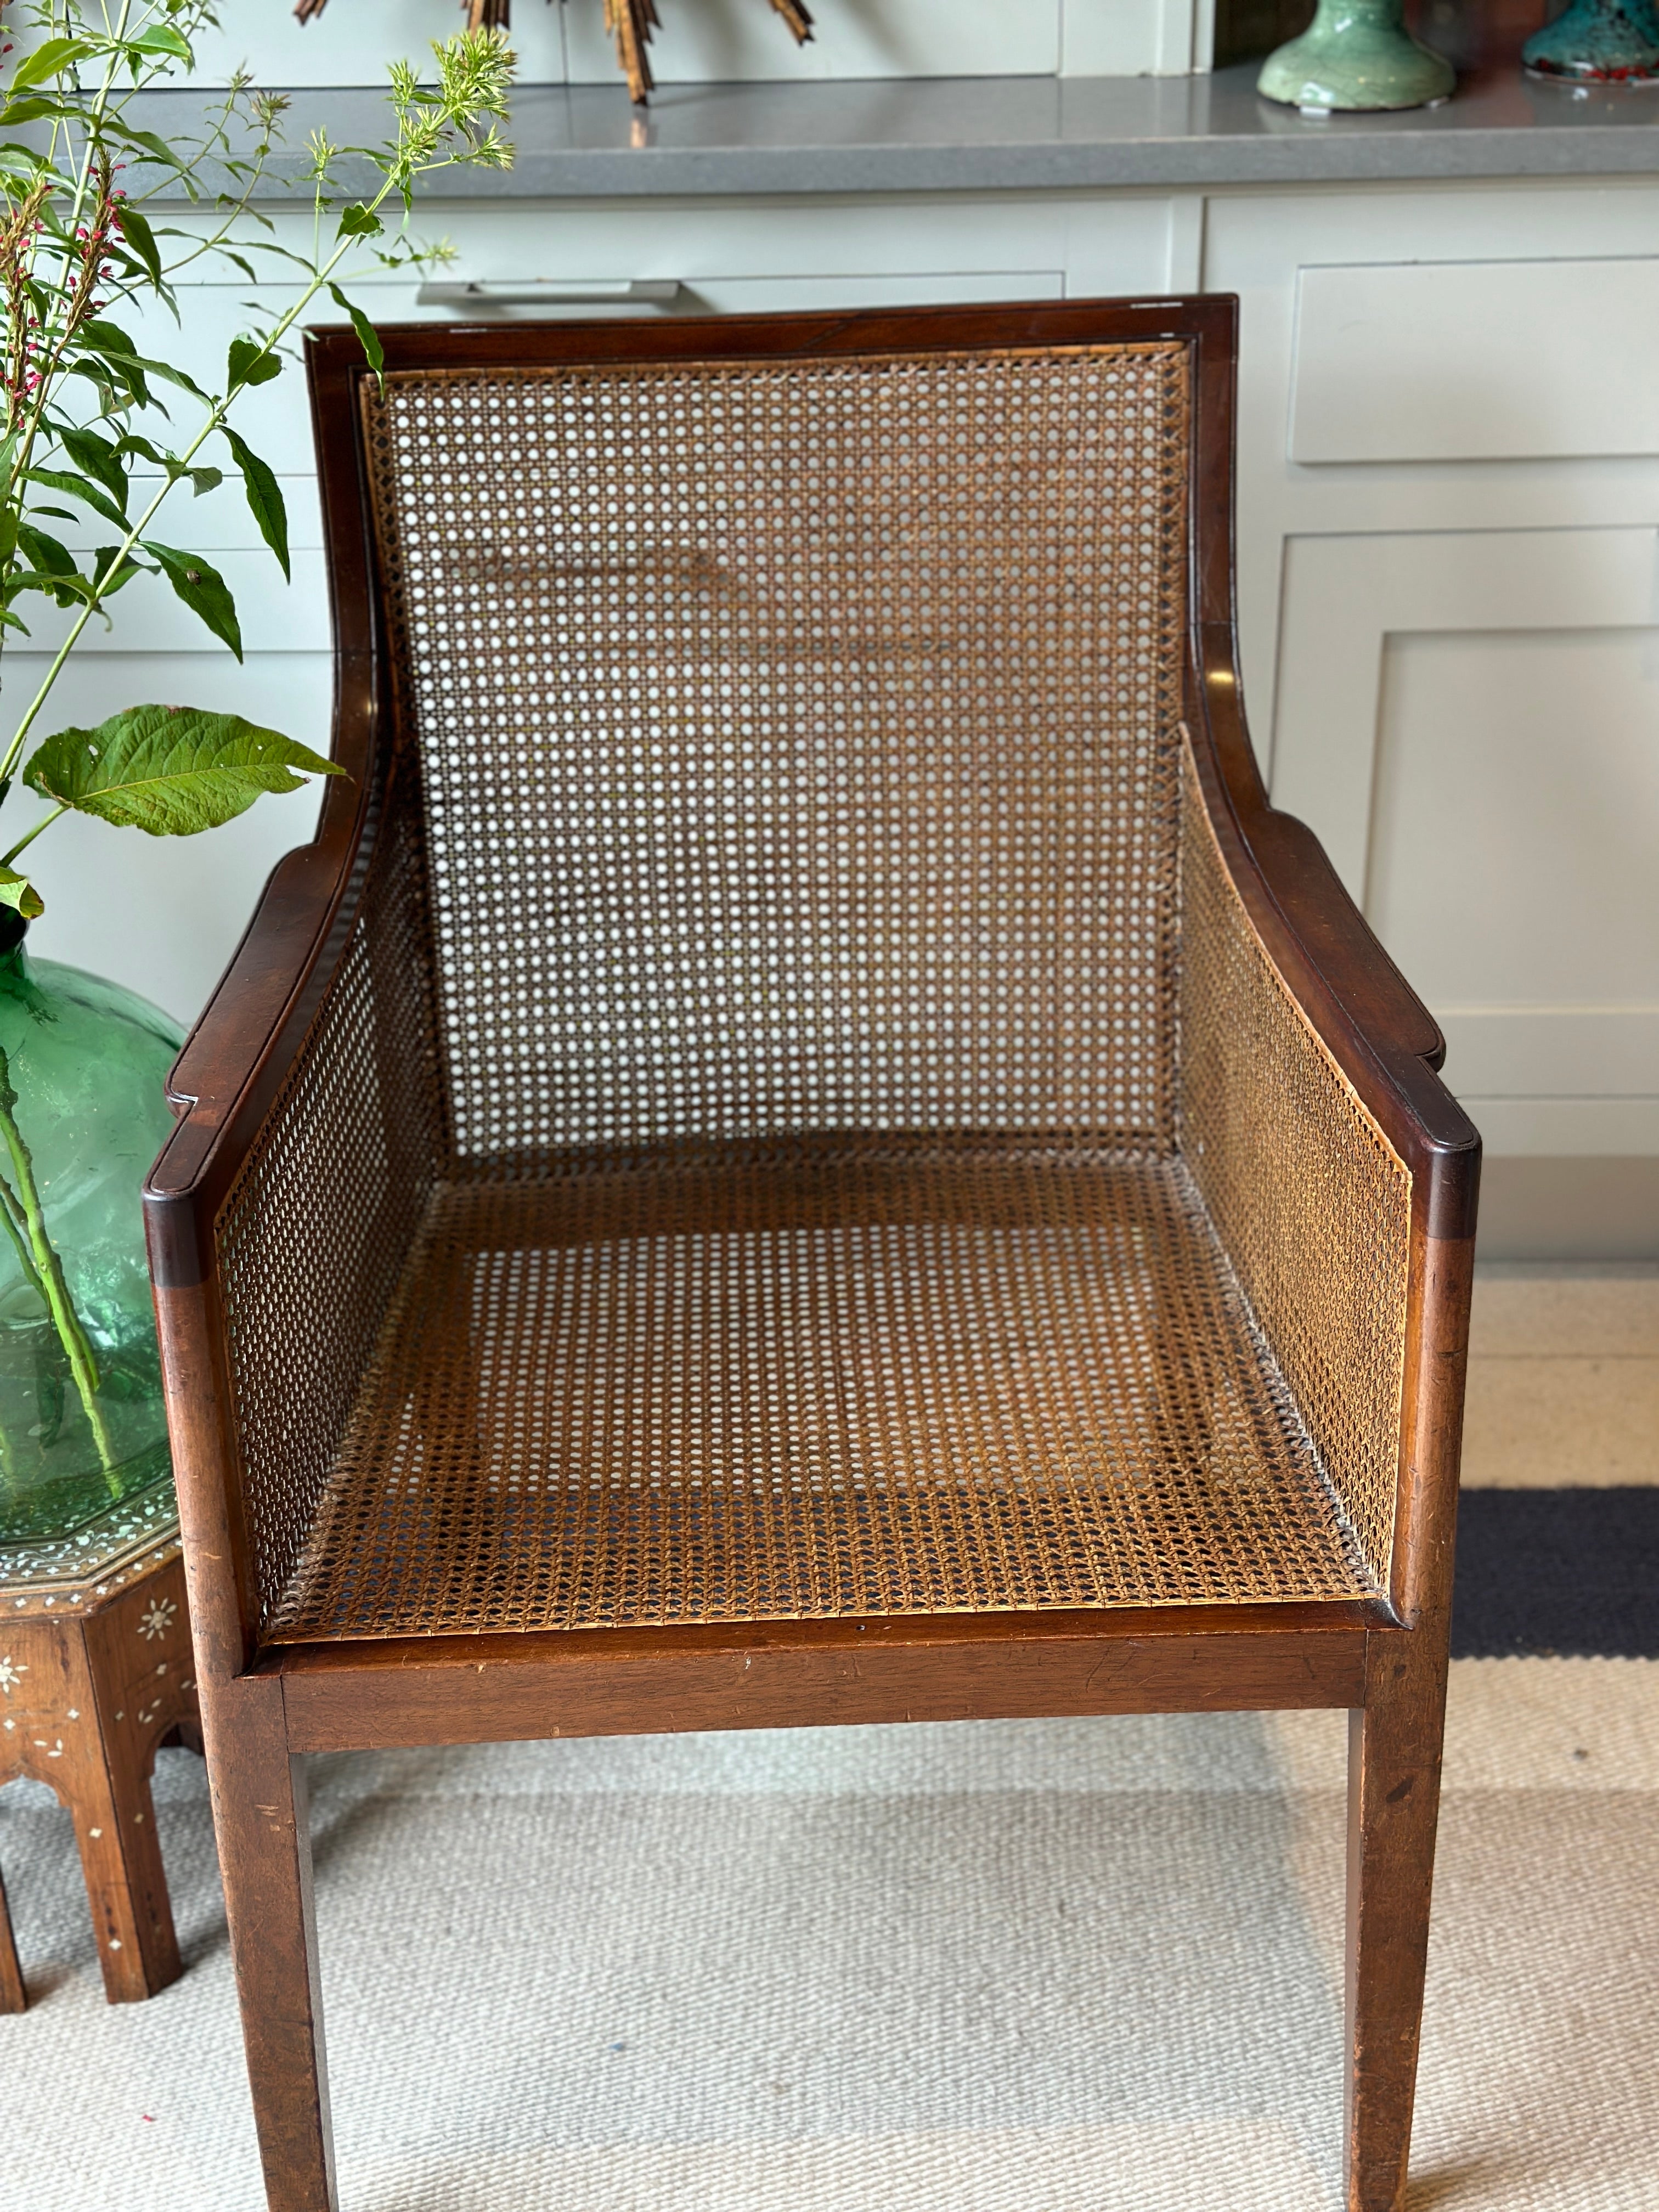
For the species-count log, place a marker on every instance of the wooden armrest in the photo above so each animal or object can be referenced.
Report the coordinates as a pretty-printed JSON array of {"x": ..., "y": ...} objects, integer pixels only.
[
  {"x": 1380, "y": 1033},
  {"x": 232, "y": 1063}
]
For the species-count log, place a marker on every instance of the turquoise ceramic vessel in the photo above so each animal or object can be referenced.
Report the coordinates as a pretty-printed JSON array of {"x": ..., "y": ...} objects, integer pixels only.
[
  {"x": 1597, "y": 42},
  {"x": 1356, "y": 54}
]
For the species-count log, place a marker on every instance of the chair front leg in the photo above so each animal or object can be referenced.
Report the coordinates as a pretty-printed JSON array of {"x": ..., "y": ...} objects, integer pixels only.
[
  {"x": 1393, "y": 1801},
  {"x": 260, "y": 1816}
]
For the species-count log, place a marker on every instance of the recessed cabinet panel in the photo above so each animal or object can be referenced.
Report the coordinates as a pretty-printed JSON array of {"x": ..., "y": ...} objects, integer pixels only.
[
  {"x": 1512, "y": 869},
  {"x": 1470, "y": 361},
  {"x": 1515, "y": 836}
]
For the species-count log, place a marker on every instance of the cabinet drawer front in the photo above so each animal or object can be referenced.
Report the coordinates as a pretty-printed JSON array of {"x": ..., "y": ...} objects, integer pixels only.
[{"x": 1476, "y": 360}]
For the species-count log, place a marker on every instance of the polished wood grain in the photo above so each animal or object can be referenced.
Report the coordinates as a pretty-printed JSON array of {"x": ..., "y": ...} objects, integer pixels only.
[
  {"x": 95, "y": 1688},
  {"x": 1394, "y": 1748},
  {"x": 1385, "y": 1662},
  {"x": 260, "y": 1814},
  {"x": 606, "y": 1683}
]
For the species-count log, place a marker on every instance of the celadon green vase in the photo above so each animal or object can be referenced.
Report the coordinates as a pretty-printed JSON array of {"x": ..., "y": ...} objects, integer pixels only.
[
  {"x": 1356, "y": 54},
  {"x": 82, "y": 1114}
]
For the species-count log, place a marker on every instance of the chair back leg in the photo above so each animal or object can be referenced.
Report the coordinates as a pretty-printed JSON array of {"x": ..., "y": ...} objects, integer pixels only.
[
  {"x": 1394, "y": 1803},
  {"x": 262, "y": 1821}
]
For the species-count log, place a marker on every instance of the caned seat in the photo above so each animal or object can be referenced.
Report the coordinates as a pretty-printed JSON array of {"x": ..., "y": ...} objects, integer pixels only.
[
  {"x": 858, "y": 1380},
  {"x": 803, "y": 1105}
]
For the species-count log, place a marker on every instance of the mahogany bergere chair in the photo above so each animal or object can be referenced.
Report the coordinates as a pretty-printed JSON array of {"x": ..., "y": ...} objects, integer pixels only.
[{"x": 803, "y": 1146}]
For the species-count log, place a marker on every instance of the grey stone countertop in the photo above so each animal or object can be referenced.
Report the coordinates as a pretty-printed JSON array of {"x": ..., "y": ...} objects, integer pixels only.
[{"x": 1008, "y": 134}]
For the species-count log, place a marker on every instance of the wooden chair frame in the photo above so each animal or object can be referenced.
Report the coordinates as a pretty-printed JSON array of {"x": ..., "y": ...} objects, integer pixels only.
[{"x": 1385, "y": 1661}]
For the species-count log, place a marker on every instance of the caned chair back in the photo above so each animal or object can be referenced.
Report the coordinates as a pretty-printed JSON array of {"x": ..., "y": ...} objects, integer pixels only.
[{"x": 798, "y": 738}]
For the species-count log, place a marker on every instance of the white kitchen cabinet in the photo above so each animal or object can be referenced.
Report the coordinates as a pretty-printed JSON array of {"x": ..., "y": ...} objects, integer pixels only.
[{"x": 1448, "y": 556}]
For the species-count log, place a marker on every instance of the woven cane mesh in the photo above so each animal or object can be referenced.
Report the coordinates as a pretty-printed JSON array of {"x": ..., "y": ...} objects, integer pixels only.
[
  {"x": 797, "y": 739},
  {"x": 1310, "y": 1199},
  {"x": 779, "y": 1212},
  {"x": 857, "y": 1379},
  {"x": 316, "y": 1231}
]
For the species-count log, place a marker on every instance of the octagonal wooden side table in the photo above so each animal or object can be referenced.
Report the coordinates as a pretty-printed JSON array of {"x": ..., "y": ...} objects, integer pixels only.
[{"x": 95, "y": 1674}]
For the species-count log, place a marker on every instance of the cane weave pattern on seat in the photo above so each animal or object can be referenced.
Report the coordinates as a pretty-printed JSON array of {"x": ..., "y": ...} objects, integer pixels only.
[
  {"x": 1310, "y": 1200},
  {"x": 738, "y": 1173},
  {"x": 859, "y": 1377}
]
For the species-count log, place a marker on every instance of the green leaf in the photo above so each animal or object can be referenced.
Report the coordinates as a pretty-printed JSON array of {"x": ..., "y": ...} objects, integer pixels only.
[
  {"x": 114, "y": 363},
  {"x": 79, "y": 488},
  {"x": 358, "y": 222},
  {"x": 162, "y": 38},
  {"x": 131, "y": 442},
  {"x": 50, "y": 59},
  {"x": 152, "y": 148},
  {"x": 202, "y": 590},
  {"x": 18, "y": 891},
  {"x": 264, "y": 495},
  {"x": 250, "y": 363},
  {"x": 113, "y": 344},
  {"x": 365, "y": 329},
  {"x": 98, "y": 458},
  {"x": 107, "y": 336},
  {"x": 169, "y": 770},
  {"x": 46, "y": 552},
  {"x": 125, "y": 575},
  {"x": 134, "y": 229}
]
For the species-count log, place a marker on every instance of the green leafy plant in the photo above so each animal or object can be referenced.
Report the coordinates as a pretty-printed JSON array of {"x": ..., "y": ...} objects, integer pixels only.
[{"x": 99, "y": 434}]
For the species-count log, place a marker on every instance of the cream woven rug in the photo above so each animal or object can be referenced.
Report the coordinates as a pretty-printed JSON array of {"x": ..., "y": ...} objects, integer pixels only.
[{"x": 1026, "y": 1967}]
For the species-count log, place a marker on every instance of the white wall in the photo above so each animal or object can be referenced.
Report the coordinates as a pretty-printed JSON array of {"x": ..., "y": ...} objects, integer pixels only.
[{"x": 723, "y": 41}]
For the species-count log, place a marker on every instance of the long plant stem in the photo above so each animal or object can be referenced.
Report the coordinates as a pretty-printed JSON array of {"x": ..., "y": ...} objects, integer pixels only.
[
  {"x": 16, "y": 1224},
  {"x": 29, "y": 836},
  {"x": 11, "y": 1214},
  {"x": 94, "y": 128},
  {"x": 49, "y": 1275},
  {"x": 216, "y": 414}
]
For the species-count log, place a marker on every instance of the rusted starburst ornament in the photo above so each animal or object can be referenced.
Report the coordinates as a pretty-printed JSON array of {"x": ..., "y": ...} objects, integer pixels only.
[{"x": 631, "y": 23}]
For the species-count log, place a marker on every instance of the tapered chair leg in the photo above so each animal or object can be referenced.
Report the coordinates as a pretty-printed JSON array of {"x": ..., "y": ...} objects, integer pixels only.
[
  {"x": 13, "y": 1997},
  {"x": 1393, "y": 1799},
  {"x": 260, "y": 1816}
]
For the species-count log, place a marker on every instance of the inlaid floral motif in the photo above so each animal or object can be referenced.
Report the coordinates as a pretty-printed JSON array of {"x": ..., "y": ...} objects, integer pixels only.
[
  {"x": 10, "y": 1674},
  {"x": 157, "y": 1620}
]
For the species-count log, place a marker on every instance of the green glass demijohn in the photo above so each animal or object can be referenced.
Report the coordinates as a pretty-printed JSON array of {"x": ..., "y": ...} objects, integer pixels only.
[
  {"x": 1356, "y": 54},
  {"x": 82, "y": 1114}
]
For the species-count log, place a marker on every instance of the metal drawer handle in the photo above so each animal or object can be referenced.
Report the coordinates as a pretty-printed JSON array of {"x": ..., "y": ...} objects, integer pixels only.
[{"x": 486, "y": 292}]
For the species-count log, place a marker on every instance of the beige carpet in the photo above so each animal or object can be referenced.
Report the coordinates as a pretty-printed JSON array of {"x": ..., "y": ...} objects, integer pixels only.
[
  {"x": 1037, "y": 1968},
  {"x": 1564, "y": 1378}
]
